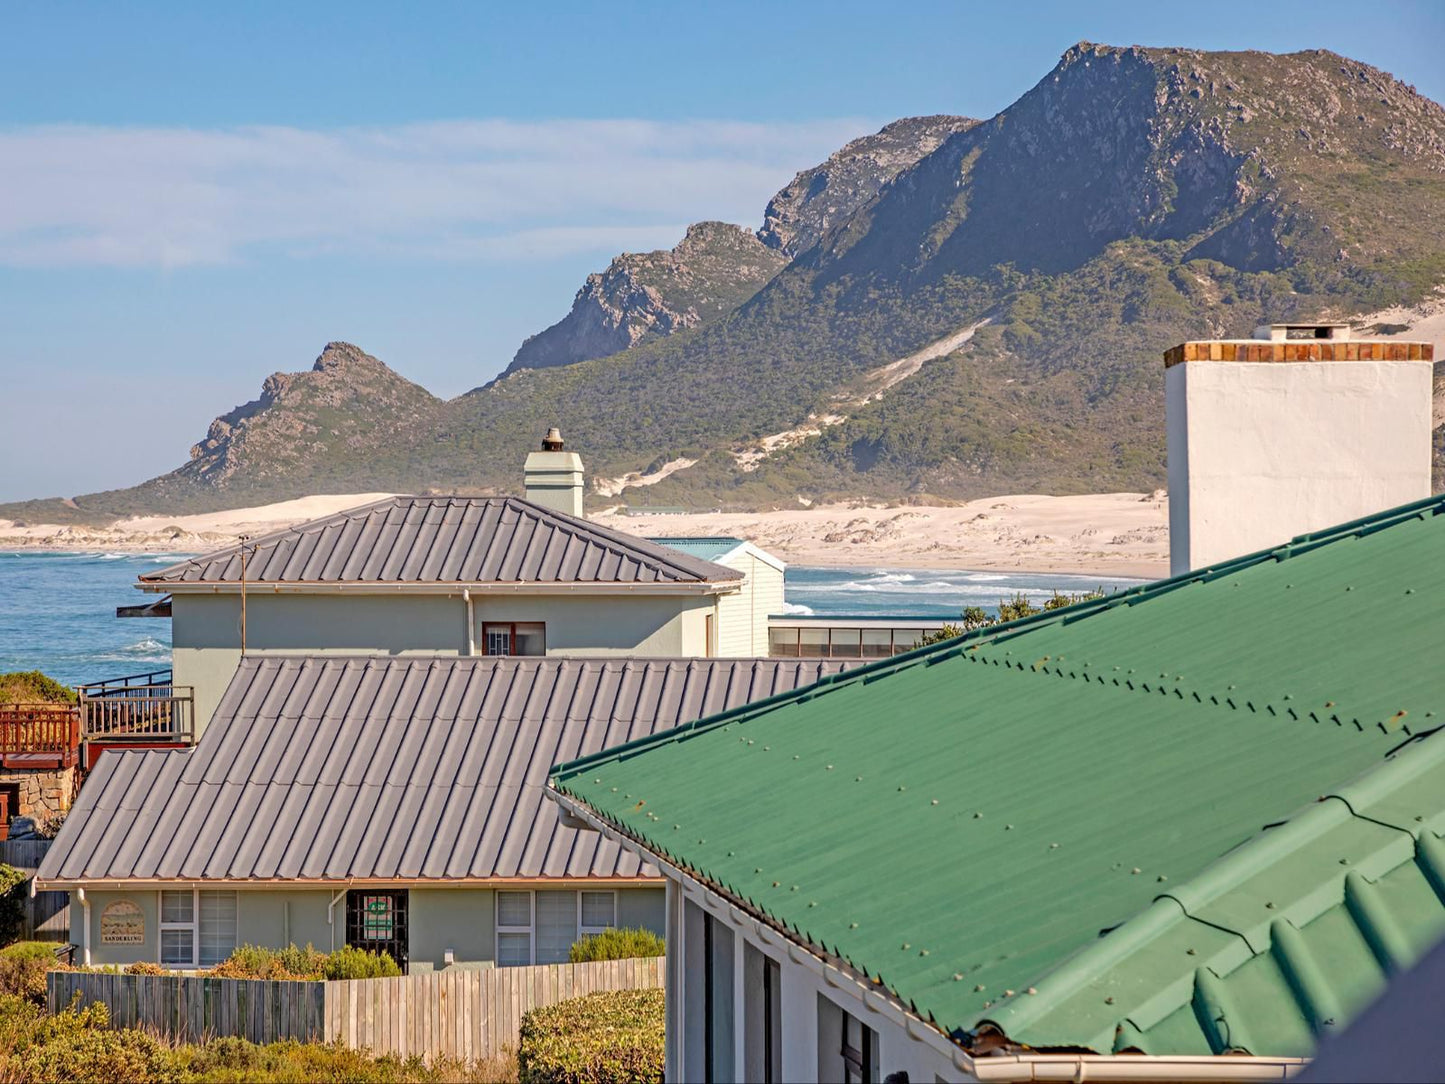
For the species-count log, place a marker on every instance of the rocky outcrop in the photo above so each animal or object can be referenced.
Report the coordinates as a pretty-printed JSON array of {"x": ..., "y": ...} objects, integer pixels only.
[
  {"x": 713, "y": 269},
  {"x": 819, "y": 198}
]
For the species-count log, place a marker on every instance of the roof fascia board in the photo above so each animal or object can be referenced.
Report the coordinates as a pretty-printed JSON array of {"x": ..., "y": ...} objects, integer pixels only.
[
  {"x": 875, "y": 998},
  {"x": 66, "y": 884},
  {"x": 753, "y": 551},
  {"x": 314, "y": 587}
]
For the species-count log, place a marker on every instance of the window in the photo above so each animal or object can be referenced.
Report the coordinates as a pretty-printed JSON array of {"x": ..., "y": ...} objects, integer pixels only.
[
  {"x": 376, "y": 920},
  {"x": 186, "y": 942},
  {"x": 514, "y": 929},
  {"x": 540, "y": 927},
  {"x": 514, "y": 638},
  {"x": 813, "y": 643},
  {"x": 846, "y": 643},
  {"x": 847, "y": 1048},
  {"x": 877, "y": 643},
  {"x": 763, "y": 1017},
  {"x": 783, "y": 643}
]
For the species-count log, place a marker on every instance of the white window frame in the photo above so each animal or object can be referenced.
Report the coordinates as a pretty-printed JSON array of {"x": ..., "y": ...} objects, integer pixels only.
[
  {"x": 164, "y": 927},
  {"x": 194, "y": 925},
  {"x": 531, "y": 928}
]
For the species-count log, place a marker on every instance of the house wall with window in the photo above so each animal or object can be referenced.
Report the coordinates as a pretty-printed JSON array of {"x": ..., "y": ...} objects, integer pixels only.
[
  {"x": 191, "y": 927},
  {"x": 752, "y": 1010},
  {"x": 206, "y": 633}
]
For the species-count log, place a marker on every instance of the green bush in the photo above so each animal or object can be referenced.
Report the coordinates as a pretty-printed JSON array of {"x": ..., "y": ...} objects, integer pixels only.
[
  {"x": 33, "y": 687},
  {"x": 599, "y": 1039},
  {"x": 12, "y": 902},
  {"x": 355, "y": 963},
  {"x": 254, "y": 962},
  {"x": 79, "y": 1045},
  {"x": 617, "y": 944},
  {"x": 23, "y": 967}
]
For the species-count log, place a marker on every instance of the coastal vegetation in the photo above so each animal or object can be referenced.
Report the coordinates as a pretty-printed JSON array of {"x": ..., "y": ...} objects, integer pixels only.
[
  {"x": 624, "y": 943},
  {"x": 1009, "y": 609},
  {"x": 609, "y": 1038},
  {"x": 33, "y": 687}
]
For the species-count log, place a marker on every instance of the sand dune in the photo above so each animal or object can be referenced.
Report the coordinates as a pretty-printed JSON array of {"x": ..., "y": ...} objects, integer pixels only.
[{"x": 1124, "y": 534}]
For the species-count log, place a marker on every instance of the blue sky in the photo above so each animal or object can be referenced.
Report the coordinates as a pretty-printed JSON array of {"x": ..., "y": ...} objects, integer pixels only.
[{"x": 194, "y": 196}]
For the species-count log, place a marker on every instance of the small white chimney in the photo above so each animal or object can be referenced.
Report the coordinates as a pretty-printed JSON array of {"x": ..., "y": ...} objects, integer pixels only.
[
  {"x": 1298, "y": 429},
  {"x": 553, "y": 477}
]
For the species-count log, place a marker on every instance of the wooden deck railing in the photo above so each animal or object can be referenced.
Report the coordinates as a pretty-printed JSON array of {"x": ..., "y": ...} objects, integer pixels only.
[
  {"x": 138, "y": 713},
  {"x": 47, "y": 729}
]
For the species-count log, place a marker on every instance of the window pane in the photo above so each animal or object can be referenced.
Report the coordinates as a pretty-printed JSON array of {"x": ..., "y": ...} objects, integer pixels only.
[
  {"x": 813, "y": 642},
  {"x": 783, "y": 643},
  {"x": 556, "y": 926},
  {"x": 176, "y": 906},
  {"x": 599, "y": 909},
  {"x": 906, "y": 640},
  {"x": 846, "y": 643},
  {"x": 218, "y": 926},
  {"x": 514, "y": 908},
  {"x": 176, "y": 948},
  {"x": 497, "y": 639},
  {"x": 378, "y": 918},
  {"x": 877, "y": 643},
  {"x": 532, "y": 639},
  {"x": 514, "y": 949}
]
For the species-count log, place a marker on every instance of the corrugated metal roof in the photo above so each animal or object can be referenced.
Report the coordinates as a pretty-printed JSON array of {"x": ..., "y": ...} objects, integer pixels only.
[
  {"x": 1033, "y": 787},
  {"x": 426, "y": 540},
  {"x": 409, "y": 769}
]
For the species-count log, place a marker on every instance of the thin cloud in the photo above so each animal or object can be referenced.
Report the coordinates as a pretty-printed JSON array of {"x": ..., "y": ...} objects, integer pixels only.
[{"x": 457, "y": 190}]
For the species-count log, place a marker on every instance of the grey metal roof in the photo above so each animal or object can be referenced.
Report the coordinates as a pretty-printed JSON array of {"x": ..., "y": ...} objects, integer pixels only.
[
  {"x": 429, "y": 540},
  {"x": 326, "y": 768}
]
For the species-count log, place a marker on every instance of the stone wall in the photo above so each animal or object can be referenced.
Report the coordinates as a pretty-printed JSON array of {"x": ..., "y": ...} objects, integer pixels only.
[{"x": 43, "y": 794}]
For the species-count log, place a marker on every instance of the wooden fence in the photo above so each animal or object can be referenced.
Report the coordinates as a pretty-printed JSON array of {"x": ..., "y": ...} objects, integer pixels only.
[
  {"x": 46, "y": 915},
  {"x": 455, "y": 1013}
]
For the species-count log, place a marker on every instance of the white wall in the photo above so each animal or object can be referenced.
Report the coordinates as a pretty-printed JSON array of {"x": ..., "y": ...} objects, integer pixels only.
[
  {"x": 1262, "y": 451},
  {"x": 800, "y": 990},
  {"x": 743, "y": 617}
]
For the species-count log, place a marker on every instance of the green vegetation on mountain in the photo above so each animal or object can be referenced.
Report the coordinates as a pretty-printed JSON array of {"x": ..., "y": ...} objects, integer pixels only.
[{"x": 1132, "y": 199}]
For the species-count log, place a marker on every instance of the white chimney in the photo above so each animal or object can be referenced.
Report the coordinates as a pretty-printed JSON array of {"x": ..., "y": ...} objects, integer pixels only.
[
  {"x": 553, "y": 478},
  {"x": 1298, "y": 429}
]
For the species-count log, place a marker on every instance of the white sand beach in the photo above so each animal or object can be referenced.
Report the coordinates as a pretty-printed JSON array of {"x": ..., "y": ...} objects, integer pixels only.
[{"x": 1122, "y": 534}]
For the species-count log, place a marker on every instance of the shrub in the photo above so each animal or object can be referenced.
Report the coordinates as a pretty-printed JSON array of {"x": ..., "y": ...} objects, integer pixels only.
[
  {"x": 33, "y": 687},
  {"x": 23, "y": 967},
  {"x": 78, "y": 1045},
  {"x": 598, "y": 1039},
  {"x": 253, "y": 962},
  {"x": 50, "y": 827},
  {"x": 144, "y": 967},
  {"x": 12, "y": 902},
  {"x": 617, "y": 944},
  {"x": 355, "y": 963}
]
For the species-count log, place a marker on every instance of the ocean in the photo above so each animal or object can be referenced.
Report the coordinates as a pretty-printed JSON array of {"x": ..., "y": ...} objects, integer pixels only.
[{"x": 57, "y": 610}]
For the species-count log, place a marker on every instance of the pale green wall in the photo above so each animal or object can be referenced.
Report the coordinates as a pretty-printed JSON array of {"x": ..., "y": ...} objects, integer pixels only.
[
  {"x": 149, "y": 903},
  {"x": 668, "y": 626},
  {"x": 205, "y": 629},
  {"x": 460, "y": 919}
]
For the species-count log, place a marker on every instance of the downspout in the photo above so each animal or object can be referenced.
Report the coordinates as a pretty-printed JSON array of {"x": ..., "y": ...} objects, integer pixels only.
[
  {"x": 331, "y": 907},
  {"x": 85, "y": 928},
  {"x": 471, "y": 623}
]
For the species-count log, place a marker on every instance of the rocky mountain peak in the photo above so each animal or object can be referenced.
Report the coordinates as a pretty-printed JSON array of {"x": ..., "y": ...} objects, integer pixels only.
[{"x": 819, "y": 198}]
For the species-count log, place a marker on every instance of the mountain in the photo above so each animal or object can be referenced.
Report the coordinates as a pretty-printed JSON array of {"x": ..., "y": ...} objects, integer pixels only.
[
  {"x": 716, "y": 267},
  {"x": 989, "y": 320},
  {"x": 817, "y": 199},
  {"x": 713, "y": 270}
]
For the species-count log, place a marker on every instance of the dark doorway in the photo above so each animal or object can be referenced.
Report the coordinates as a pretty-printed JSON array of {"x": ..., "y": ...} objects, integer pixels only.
[{"x": 376, "y": 920}]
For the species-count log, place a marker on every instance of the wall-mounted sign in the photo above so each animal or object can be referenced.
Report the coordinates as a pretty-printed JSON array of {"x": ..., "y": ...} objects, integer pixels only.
[{"x": 122, "y": 923}]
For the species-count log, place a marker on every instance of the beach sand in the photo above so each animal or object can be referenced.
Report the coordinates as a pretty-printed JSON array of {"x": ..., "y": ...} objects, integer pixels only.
[{"x": 1120, "y": 534}]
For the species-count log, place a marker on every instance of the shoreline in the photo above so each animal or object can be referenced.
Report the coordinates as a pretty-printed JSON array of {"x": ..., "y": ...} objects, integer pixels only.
[{"x": 1110, "y": 534}]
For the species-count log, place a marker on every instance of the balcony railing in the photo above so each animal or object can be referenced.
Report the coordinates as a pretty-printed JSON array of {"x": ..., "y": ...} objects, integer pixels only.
[
  {"x": 142, "y": 708},
  {"x": 38, "y": 735}
]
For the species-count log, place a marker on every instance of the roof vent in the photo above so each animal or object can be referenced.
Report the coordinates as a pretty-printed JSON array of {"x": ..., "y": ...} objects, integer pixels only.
[
  {"x": 1293, "y": 332},
  {"x": 552, "y": 442}
]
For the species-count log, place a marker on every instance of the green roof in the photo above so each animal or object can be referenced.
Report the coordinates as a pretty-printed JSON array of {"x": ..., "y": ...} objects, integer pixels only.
[{"x": 1072, "y": 828}]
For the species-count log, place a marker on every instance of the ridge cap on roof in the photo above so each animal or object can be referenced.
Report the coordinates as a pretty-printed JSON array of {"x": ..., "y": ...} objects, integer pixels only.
[
  {"x": 1259, "y": 854},
  {"x": 935, "y": 653}
]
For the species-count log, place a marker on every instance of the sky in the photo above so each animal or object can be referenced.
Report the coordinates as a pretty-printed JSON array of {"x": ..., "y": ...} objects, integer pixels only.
[{"x": 193, "y": 196}]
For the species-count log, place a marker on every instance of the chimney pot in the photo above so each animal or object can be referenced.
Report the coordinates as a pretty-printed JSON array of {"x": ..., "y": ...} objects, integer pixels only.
[{"x": 552, "y": 442}]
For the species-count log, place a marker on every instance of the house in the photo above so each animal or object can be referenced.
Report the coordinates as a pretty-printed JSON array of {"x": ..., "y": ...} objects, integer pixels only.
[
  {"x": 1119, "y": 840},
  {"x": 461, "y": 576},
  {"x": 387, "y": 803},
  {"x": 742, "y": 615}
]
